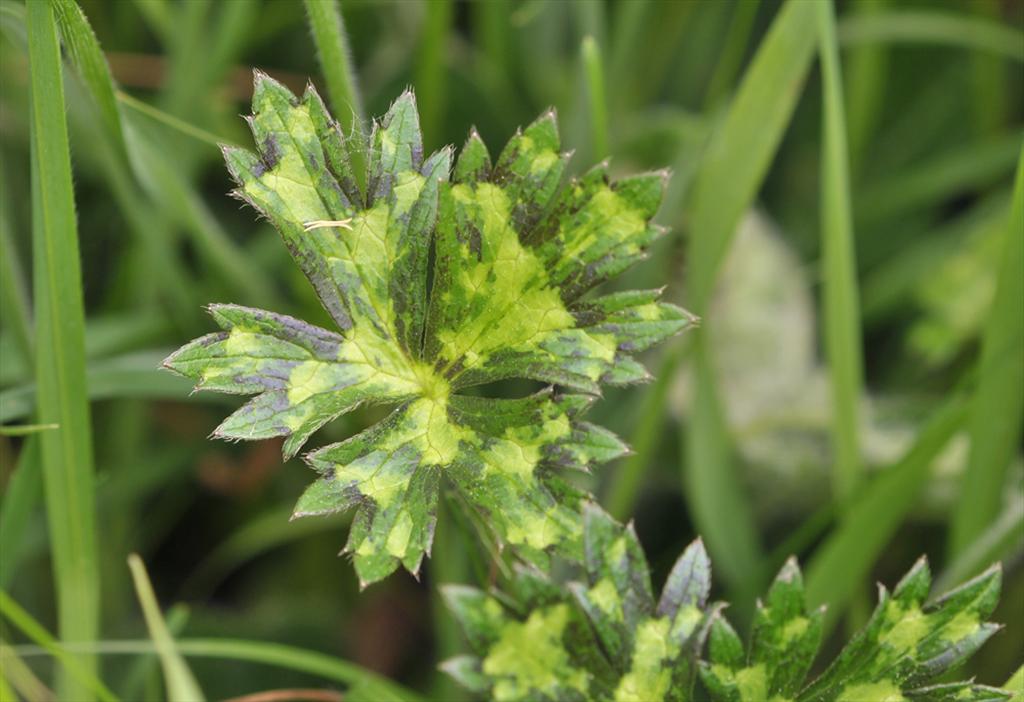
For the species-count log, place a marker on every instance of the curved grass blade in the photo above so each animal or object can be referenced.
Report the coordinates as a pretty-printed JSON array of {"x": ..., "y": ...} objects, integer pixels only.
[
  {"x": 742, "y": 148},
  {"x": 72, "y": 662},
  {"x": 997, "y": 409},
  {"x": 14, "y": 673},
  {"x": 845, "y": 559},
  {"x": 144, "y": 669},
  {"x": 301, "y": 660},
  {"x": 62, "y": 396},
  {"x": 999, "y": 541},
  {"x": 181, "y": 683},
  {"x": 867, "y": 76},
  {"x": 731, "y": 59},
  {"x": 152, "y": 168},
  {"x": 169, "y": 120},
  {"x": 84, "y": 51},
  {"x": 931, "y": 27}
]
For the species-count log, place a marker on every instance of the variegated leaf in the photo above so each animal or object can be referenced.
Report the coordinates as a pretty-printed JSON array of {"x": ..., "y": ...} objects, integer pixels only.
[
  {"x": 607, "y": 642},
  {"x": 514, "y": 251},
  {"x": 905, "y": 647}
]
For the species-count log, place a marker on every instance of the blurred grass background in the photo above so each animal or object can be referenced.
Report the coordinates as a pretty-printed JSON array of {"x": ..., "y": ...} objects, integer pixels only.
[{"x": 840, "y": 216}]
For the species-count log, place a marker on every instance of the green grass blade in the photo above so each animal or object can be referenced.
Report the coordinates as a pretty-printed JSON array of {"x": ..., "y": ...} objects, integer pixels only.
[
  {"x": 450, "y": 564},
  {"x": 20, "y": 499},
  {"x": 181, "y": 684},
  {"x": 1001, "y": 538},
  {"x": 802, "y": 538},
  {"x": 840, "y": 313},
  {"x": 15, "y": 308},
  {"x": 718, "y": 502},
  {"x": 186, "y": 79},
  {"x": 932, "y": 27},
  {"x": 62, "y": 396},
  {"x": 233, "y": 29},
  {"x": 998, "y": 405},
  {"x": 590, "y": 53},
  {"x": 866, "y": 78},
  {"x": 627, "y": 33},
  {"x": 157, "y": 15},
  {"x": 134, "y": 375},
  {"x": 6, "y": 693},
  {"x": 736, "y": 44},
  {"x": 740, "y": 151},
  {"x": 732, "y": 170},
  {"x": 87, "y": 57},
  {"x": 182, "y": 203},
  {"x": 372, "y": 685},
  {"x": 89, "y": 684},
  {"x": 154, "y": 236},
  {"x": 490, "y": 32},
  {"x": 105, "y": 336},
  {"x": 431, "y": 71},
  {"x": 26, "y": 429},
  {"x": 145, "y": 668},
  {"x": 176, "y": 123},
  {"x": 15, "y": 673},
  {"x": 113, "y": 152},
  {"x": 328, "y": 25},
  {"x": 990, "y": 91},
  {"x": 843, "y": 562}
]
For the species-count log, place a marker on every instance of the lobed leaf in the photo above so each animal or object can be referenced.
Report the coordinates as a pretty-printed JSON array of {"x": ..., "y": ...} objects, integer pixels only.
[
  {"x": 607, "y": 641},
  {"x": 514, "y": 252},
  {"x": 904, "y": 649}
]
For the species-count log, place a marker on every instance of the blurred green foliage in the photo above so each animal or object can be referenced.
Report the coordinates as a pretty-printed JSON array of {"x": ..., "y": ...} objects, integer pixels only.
[{"x": 933, "y": 101}]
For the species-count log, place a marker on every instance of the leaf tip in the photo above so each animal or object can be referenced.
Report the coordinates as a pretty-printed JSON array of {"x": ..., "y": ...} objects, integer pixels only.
[{"x": 790, "y": 570}]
